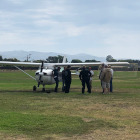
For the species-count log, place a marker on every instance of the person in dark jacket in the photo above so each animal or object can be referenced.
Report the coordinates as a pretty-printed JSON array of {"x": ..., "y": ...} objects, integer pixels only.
[
  {"x": 55, "y": 76},
  {"x": 63, "y": 79},
  {"x": 67, "y": 79},
  {"x": 111, "y": 84},
  {"x": 85, "y": 78}
]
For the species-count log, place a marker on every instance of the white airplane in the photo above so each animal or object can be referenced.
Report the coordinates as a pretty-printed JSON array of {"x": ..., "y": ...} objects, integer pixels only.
[{"x": 44, "y": 75}]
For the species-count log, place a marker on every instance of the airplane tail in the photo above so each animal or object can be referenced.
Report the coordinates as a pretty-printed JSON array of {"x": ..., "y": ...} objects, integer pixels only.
[{"x": 64, "y": 59}]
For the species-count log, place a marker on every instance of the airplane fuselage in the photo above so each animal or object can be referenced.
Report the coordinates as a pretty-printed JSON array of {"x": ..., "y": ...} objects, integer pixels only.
[{"x": 45, "y": 77}]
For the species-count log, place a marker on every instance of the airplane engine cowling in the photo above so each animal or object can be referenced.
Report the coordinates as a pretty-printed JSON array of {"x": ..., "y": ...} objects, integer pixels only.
[{"x": 46, "y": 77}]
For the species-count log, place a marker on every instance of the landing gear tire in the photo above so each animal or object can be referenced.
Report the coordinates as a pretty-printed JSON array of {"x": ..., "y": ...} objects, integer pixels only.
[
  {"x": 48, "y": 91},
  {"x": 43, "y": 89},
  {"x": 34, "y": 88}
]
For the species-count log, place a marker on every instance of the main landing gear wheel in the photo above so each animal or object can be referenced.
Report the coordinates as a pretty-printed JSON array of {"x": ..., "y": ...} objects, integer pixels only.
[
  {"x": 34, "y": 88},
  {"x": 43, "y": 89},
  {"x": 48, "y": 91}
]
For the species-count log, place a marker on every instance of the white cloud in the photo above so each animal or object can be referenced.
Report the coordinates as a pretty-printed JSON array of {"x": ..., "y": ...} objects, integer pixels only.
[
  {"x": 18, "y": 2},
  {"x": 73, "y": 30},
  {"x": 16, "y": 39},
  {"x": 61, "y": 28},
  {"x": 95, "y": 27},
  {"x": 55, "y": 10}
]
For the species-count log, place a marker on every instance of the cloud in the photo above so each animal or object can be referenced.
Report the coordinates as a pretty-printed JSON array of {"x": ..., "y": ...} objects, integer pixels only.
[
  {"x": 22, "y": 38},
  {"x": 52, "y": 11},
  {"x": 61, "y": 28},
  {"x": 17, "y": 2},
  {"x": 96, "y": 27}
]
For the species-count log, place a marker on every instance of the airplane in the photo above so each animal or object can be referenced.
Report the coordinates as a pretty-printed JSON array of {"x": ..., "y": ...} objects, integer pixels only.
[{"x": 44, "y": 75}]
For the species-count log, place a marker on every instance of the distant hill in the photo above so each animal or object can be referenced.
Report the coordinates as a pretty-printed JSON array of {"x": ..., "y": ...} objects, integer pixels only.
[{"x": 22, "y": 55}]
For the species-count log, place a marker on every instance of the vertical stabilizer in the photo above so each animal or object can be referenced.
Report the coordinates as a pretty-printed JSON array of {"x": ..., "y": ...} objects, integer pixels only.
[{"x": 64, "y": 59}]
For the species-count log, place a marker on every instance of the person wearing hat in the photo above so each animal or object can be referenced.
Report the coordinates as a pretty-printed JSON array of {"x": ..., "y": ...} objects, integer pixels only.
[{"x": 55, "y": 73}]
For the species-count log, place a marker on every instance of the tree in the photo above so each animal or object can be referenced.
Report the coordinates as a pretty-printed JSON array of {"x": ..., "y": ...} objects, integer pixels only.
[
  {"x": 52, "y": 59},
  {"x": 37, "y": 61},
  {"x": 55, "y": 59},
  {"x": 91, "y": 61},
  {"x": 11, "y": 59},
  {"x": 76, "y": 61},
  {"x": 130, "y": 61},
  {"x": 113, "y": 60},
  {"x": 109, "y": 58},
  {"x": 60, "y": 58},
  {"x": 1, "y": 58}
]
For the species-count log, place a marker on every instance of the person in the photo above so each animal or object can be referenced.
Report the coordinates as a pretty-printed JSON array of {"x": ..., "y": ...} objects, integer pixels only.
[
  {"x": 63, "y": 79},
  {"x": 67, "y": 79},
  {"x": 92, "y": 73},
  {"x": 106, "y": 77},
  {"x": 102, "y": 68},
  {"x": 111, "y": 85},
  {"x": 55, "y": 76},
  {"x": 85, "y": 77}
]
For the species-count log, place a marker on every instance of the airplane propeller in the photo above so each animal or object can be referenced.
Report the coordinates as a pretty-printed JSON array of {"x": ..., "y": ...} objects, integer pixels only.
[{"x": 42, "y": 65}]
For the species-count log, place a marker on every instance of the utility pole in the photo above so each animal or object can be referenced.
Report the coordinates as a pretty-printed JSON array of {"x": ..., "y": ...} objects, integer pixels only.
[{"x": 28, "y": 57}]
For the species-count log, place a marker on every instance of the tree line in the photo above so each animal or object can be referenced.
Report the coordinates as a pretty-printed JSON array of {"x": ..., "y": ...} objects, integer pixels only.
[
  {"x": 50, "y": 59},
  {"x": 109, "y": 58},
  {"x": 59, "y": 59},
  {"x": 134, "y": 64}
]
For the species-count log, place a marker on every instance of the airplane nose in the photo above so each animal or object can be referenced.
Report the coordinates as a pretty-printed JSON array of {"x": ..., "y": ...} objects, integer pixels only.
[{"x": 41, "y": 73}]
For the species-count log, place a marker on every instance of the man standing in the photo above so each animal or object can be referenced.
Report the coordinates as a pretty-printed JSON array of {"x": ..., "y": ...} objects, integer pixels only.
[
  {"x": 111, "y": 85},
  {"x": 92, "y": 73},
  {"x": 102, "y": 68},
  {"x": 106, "y": 77},
  {"x": 85, "y": 77},
  {"x": 55, "y": 76},
  {"x": 63, "y": 79},
  {"x": 67, "y": 79}
]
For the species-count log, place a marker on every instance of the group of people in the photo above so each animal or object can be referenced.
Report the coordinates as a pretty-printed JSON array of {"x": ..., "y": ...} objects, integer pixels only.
[
  {"x": 66, "y": 78},
  {"x": 106, "y": 77},
  {"x": 86, "y": 75}
]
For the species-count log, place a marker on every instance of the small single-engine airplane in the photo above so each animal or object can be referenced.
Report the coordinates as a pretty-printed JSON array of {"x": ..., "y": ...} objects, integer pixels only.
[{"x": 44, "y": 74}]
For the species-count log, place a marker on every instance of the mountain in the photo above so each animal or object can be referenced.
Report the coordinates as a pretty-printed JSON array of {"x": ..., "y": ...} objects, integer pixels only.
[{"x": 22, "y": 55}]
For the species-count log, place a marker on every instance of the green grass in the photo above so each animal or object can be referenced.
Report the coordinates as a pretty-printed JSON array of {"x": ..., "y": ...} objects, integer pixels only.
[
  {"x": 36, "y": 115},
  {"x": 35, "y": 124}
]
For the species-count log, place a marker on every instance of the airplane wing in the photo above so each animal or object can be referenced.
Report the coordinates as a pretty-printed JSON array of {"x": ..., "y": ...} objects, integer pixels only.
[
  {"x": 91, "y": 64},
  {"x": 64, "y": 64},
  {"x": 19, "y": 63}
]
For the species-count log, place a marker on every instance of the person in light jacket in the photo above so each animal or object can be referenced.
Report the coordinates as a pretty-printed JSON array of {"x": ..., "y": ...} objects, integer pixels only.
[{"x": 105, "y": 78}]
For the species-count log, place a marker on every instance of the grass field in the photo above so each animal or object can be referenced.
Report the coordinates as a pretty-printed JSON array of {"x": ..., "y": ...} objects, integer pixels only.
[{"x": 27, "y": 115}]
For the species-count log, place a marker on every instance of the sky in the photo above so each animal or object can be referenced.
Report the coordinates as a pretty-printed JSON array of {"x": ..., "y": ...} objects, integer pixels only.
[{"x": 95, "y": 27}]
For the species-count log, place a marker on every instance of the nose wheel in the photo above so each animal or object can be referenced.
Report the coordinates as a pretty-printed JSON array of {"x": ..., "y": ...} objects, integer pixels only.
[
  {"x": 43, "y": 89},
  {"x": 34, "y": 88}
]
